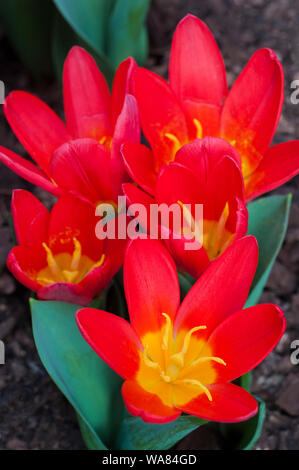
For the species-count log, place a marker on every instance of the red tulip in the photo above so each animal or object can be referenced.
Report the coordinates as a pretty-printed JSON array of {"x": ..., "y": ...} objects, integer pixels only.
[
  {"x": 181, "y": 358},
  {"x": 202, "y": 173},
  {"x": 104, "y": 122},
  {"x": 196, "y": 103},
  {"x": 58, "y": 254}
]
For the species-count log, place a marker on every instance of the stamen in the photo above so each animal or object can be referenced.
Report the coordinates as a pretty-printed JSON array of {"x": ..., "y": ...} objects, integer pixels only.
[
  {"x": 178, "y": 359},
  {"x": 208, "y": 358},
  {"x": 51, "y": 261},
  {"x": 199, "y": 131},
  {"x": 220, "y": 228},
  {"x": 103, "y": 140},
  {"x": 166, "y": 378},
  {"x": 76, "y": 255},
  {"x": 69, "y": 276},
  {"x": 195, "y": 228},
  {"x": 196, "y": 383},
  {"x": 168, "y": 326},
  {"x": 148, "y": 361},
  {"x": 176, "y": 143},
  {"x": 188, "y": 337}
]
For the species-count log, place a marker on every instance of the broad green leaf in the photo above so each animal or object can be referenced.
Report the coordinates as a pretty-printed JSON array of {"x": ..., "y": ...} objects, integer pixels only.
[
  {"x": 127, "y": 35},
  {"x": 64, "y": 38},
  {"x": 137, "y": 435},
  {"x": 91, "y": 387},
  {"x": 243, "y": 436},
  {"x": 268, "y": 221},
  {"x": 89, "y": 19},
  {"x": 28, "y": 23},
  {"x": 90, "y": 438}
]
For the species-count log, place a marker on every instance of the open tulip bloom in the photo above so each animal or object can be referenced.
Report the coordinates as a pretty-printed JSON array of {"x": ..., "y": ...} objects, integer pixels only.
[
  {"x": 196, "y": 103},
  {"x": 83, "y": 155},
  {"x": 205, "y": 172},
  {"x": 188, "y": 342},
  {"x": 59, "y": 255},
  {"x": 182, "y": 358}
]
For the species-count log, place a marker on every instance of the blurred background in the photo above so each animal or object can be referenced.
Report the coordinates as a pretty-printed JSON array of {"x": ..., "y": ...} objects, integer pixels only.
[{"x": 33, "y": 43}]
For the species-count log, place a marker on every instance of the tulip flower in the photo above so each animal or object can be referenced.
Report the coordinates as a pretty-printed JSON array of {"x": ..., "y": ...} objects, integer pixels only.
[
  {"x": 182, "y": 358},
  {"x": 196, "y": 103},
  {"x": 203, "y": 173},
  {"x": 85, "y": 150},
  {"x": 58, "y": 254}
]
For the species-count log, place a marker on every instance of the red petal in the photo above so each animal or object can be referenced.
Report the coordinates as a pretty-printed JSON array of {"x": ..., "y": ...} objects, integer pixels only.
[
  {"x": 178, "y": 183},
  {"x": 112, "y": 338},
  {"x": 202, "y": 155},
  {"x": 72, "y": 217},
  {"x": 224, "y": 184},
  {"x": 86, "y": 96},
  {"x": 245, "y": 338},
  {"x": 138, "y": 199},
  {"x": 212, "y": 298},
  {"x": 237, "y": 221},
  {"x": 127, "y": 129},
  {"x": 22, "y": 260},
  {"x": 36, "y": 126},
  {"x": 28, "y": 171},
  {"x": 193, "y": 262},
  {"x": 280, "y": 164},
  {"x": 146, "y": 405},
  {"x": 207, "y": 114},
  {"x": 148, "y": 294},
  {"x": 230, "y": 404},
  {"x": 122, "y": 85},
  {"x": 139, "y": 163},
  {"x": 27, "y": 210},
  {"x": 160, "y": 113},
  {"x": 196, "y": 69},
  {"x": 114, "y": 248},
  {"x": 83, "y": 166},
  {"x": 252, "y": 109},
  {"x": 83, "y": 292}
]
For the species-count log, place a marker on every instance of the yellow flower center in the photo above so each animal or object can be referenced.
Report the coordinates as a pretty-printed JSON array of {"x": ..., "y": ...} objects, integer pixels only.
[
  {"x": 106, "y": 141},
  {"x": 64, "y": 267},
  {"x": 173, "y": 367},
  {"x": 176, "y": 142},
  {"x": 211, "y": 234}
]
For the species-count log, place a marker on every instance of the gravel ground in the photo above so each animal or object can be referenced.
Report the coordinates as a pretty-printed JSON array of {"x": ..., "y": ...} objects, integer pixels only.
[{"x": 33, "y": 413}]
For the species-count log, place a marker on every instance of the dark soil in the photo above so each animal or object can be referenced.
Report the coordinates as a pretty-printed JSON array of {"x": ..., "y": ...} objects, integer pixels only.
[{"x": 33, "y": 413}]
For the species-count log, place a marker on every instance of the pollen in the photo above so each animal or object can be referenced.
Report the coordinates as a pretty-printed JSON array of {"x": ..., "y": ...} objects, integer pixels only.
[{"x": 66, "y": 267}]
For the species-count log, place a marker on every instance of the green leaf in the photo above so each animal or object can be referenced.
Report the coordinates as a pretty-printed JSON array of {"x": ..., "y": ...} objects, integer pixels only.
[
  {"x": 127, "y": 35},
  {"x": 245, "y": 381},
  {"x": 89, "y": 19},
  {"x": 89, "y": 384},
  {"x": 186, "y": 282},
  {"x": 137, "y": 435},
  {"x": 268, "y": 221},
  {"x": 64, "y": 38},
  {"x": 243, "y": 436},
  {"x": 28, "y": 23}
]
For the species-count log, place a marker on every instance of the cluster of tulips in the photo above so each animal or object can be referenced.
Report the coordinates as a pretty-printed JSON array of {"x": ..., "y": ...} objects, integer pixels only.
[{"x": 204, "y": 145}]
